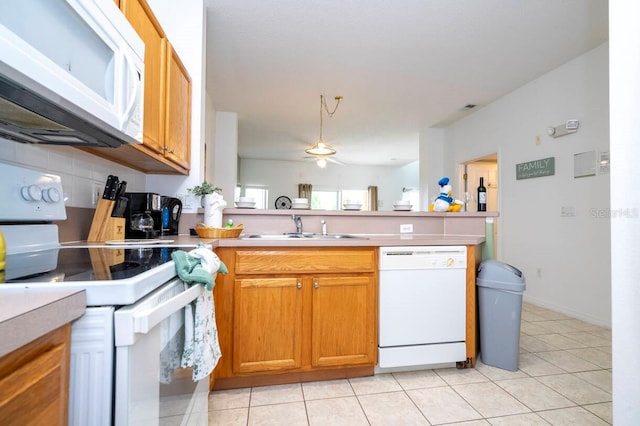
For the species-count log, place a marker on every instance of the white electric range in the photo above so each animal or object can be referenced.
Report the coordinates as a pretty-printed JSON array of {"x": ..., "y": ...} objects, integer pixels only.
[{"x": 125, "y": 350}]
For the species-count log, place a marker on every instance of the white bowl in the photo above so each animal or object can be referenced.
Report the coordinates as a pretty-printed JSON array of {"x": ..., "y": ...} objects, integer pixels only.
[
  {"x": 245, "y": 205},
  {"x": 300, "y": 201},
  {"x": 352, "y": 206},
  {"x": 403, "y": 207},
  {"x": 351, "y": 203},
  {"x": 402, "y": 203},
  {"x": 246, "y": 200},
  {"x": 301, "y": 206}
]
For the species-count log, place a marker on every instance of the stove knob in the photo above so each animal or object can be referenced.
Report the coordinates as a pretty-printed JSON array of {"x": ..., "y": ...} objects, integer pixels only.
[
  {"x": 31, "y": 193},
  {"x": 51, "y": 195}
]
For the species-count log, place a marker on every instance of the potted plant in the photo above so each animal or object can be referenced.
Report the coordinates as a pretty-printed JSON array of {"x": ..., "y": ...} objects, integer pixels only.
[
  {"x": 204, "y": 188},
  {"x": 211, "y": 200}
]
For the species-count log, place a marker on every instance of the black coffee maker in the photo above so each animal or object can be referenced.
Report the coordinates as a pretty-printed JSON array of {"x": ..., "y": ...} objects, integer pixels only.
[
  {"x": 143, "y": 215},
  {"x": 171, "y": 210}
]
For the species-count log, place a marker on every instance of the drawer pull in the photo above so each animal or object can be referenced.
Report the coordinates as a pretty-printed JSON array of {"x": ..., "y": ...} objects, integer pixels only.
[
  {"x": 316, "y": 285},
  {"x": 299, "y": 285}
]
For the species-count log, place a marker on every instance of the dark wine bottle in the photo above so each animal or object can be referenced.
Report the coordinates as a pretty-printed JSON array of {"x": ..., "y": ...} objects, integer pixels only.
[{"x": 482, "y": 196}]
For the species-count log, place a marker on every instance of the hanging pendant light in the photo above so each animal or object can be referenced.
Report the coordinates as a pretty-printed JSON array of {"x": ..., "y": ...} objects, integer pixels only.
[{"x": 321, "y": 148}]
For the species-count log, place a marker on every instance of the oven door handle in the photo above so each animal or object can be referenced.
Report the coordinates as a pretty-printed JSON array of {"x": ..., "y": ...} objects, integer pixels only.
[{"x": 145, "y": 321}]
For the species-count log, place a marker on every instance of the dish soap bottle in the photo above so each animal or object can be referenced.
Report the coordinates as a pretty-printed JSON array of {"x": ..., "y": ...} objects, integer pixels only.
[{"x": 482, "y": 196}]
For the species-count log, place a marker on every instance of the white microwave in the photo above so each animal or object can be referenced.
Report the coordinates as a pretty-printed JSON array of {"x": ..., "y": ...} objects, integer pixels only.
[{"x": 71, "y": 73}]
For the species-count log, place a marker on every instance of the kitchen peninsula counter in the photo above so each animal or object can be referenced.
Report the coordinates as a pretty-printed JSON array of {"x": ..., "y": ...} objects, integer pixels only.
[
  {"x": 366, "y": 240},
  {"x": 380, "y": 228}
]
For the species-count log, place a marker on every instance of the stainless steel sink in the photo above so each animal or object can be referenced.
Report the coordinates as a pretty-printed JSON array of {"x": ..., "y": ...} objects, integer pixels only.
[{"x": 295, "y": 235}]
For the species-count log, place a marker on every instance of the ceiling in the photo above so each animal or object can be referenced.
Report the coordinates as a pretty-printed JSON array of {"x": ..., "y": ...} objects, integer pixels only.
[{"x": 401, "y": 66}]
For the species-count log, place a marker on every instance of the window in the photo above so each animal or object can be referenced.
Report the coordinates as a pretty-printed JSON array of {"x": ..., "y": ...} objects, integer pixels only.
[
  {"x": 332, "y": 200},
  {"x": 259, "y": 193}
]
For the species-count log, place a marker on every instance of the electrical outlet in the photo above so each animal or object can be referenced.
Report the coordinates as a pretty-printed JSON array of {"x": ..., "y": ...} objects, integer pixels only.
[
  {"x": 96, "y": 189},
  {"x": 406, "y": 228},
  {"x": 567, "y": 211}
]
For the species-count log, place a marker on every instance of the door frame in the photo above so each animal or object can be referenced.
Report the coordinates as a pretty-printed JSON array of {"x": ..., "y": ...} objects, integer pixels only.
[{"x": 463, "y": 189}]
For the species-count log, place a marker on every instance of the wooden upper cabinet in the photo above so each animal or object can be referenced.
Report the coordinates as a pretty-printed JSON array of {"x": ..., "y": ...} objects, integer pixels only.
[
  {"x": 177, "y": 134},
  {"x": 166, "y": 141},
  {"x": 146, "y": 25}
]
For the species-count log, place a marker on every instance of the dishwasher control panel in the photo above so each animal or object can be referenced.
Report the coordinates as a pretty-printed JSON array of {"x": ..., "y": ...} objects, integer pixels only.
[{"x": 423, "y": 257}]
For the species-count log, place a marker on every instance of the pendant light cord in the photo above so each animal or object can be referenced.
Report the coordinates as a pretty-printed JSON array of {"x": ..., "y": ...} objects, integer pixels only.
[{"x": 323, "y": 104}]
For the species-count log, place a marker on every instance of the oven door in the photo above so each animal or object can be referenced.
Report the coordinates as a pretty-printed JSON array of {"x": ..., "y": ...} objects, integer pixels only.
[{"x": 151, "y": 387}]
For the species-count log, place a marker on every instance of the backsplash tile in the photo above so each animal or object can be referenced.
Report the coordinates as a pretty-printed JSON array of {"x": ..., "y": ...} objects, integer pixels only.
[{"x": 78, "y": 170}]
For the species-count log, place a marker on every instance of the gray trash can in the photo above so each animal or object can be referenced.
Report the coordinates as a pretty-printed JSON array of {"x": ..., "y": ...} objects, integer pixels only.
[{"x": 500, "y": 288}]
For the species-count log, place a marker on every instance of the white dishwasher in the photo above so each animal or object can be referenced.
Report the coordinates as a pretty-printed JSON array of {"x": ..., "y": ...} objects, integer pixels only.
[{"x": 422, "y": 305}]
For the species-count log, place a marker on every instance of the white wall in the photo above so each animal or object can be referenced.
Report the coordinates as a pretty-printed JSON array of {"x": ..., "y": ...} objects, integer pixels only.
[
  {"x": 283, "y": 177},
  {"x": 432, "y": 165},
  {"x": 565, "y": 259},
  {"x": 225, "y": 161},
  {"x": 625, "y": 231},
  {"x": 184, "y": 25}
]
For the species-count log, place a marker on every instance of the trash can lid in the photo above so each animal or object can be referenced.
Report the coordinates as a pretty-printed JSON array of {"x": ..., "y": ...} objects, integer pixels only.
[{"x": 496, "y": 274}]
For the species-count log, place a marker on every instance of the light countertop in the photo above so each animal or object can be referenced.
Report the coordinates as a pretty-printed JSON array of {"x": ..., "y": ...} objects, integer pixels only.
[
  {"x": 370, "y": 240},
  {"x": 27, "y": 314}
]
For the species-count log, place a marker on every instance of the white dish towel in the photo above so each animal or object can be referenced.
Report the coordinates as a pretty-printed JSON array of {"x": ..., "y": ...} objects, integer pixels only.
[{"x": 201, "y": 345}]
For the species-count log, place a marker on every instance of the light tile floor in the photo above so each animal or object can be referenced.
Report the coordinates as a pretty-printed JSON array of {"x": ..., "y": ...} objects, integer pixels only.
[{"x": 564, "y": 379}]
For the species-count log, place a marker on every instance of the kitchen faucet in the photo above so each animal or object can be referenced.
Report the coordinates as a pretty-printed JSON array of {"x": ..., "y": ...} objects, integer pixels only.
[{"x": 298, "y": 221}]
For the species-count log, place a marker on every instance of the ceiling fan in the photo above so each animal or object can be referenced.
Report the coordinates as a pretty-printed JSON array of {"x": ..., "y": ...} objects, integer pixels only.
[{"x": 322, "y": 152}]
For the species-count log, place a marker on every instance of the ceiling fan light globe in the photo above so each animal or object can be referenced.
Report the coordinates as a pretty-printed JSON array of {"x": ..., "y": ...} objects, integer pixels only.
[
  {"x": 320, "y": 148},
  {"x": 322, "y": 163}
]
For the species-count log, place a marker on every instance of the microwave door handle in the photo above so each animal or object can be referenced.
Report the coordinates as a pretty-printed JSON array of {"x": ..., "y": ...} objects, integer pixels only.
[
  {"x": 145, "y": 321},
  {"x": 133, "y": 95}
]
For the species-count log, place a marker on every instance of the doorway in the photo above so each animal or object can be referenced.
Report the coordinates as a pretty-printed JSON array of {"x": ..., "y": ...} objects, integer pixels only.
[{"x": 470, "y": 174}]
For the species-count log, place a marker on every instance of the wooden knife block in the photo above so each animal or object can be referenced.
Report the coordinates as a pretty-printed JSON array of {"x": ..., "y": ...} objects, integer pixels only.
[{"x": 104, "y": 227}]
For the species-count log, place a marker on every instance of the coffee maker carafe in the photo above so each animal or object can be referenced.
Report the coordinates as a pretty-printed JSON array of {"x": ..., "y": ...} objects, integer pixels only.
[{"x": 143, "y": 215}]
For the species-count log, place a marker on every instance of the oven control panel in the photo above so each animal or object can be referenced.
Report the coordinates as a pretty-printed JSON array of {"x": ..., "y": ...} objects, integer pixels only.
[{"x": 30, "y": 195}]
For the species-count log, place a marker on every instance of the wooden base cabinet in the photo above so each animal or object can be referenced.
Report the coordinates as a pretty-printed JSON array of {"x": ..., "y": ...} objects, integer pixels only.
[
  {"x": 268, "y": 324},
  {"x": 287, "y": 315},
  {"x": 343, "y": 319},
  {"x": 34, "y": 381}
]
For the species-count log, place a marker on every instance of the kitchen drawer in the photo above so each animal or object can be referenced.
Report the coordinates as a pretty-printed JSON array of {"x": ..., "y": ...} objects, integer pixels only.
[{"x": 300, "y": 260}]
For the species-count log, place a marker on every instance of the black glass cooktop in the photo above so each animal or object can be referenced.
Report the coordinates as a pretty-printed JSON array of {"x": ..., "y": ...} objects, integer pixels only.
[{"x": 84, "y": 264}]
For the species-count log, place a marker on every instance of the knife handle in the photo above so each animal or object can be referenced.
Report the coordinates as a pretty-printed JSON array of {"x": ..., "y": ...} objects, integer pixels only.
[{"x": 108, "y": 187}]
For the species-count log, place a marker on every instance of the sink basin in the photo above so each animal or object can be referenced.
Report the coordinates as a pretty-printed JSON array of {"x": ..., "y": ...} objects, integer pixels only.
[
  {"x": 295, "y": 235},
  {"x": 336, "y": 236}
]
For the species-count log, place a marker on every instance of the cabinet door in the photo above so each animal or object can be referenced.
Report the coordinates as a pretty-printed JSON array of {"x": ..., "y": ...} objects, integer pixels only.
[
  {"x": 34, "y": 381},
  {"x": 343, "y": 321},
  {"x": 141, "y": 17},
  {"x": 267, "y": 331},
  {"x": 178, "y": 111}
]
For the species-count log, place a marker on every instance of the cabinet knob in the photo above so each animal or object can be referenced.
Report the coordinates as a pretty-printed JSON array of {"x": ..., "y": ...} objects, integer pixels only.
[
  {"x": 299, "y": 285},
  {"x": 316, "y": 285}
]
